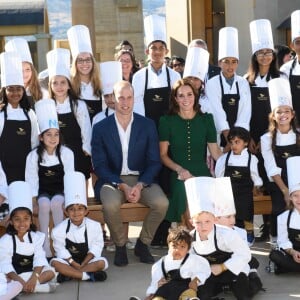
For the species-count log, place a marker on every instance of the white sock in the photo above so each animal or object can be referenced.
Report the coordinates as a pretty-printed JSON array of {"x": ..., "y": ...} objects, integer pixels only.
[{"x": 85, "y": 276}]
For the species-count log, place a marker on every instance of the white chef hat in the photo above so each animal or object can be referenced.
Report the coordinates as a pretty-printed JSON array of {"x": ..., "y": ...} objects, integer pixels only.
[
  {"x": 79, "y": 40},
  {"x": 196, "y": 63},
  {"x": 223, "y": 200},
  {"x": 261, "y": 35},
  {"x": 155, "y": 29},
  {"x": 295, "y": 24},
  {"x": 110, "y": 73},
  {"x": 20, "y": 46},
  {"x": 200, "y": 192},
  {"x": 19, "y": 195},
  {"x": 292, "y": 164},
  {"x": 74, "y": 188},
  {"x": 280, "y": 92},
  {"x": 46, "y": 114},
  {"x": 58, "y": 61},
  {"x": 11, "y": 69},
  {"x": 228, "y": 43}
]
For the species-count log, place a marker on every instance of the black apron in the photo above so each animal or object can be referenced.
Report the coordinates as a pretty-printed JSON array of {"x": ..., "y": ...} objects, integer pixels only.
[
  {"x": 15, "y": 144},
  {"x": 93, "y": 106},
  {"x": 22, "y": 263},
  {"x": 51, "y": 179},
  {"x": 230, "y": 104},
  {"x": 78, "y": 250},
  {"x": 295, "y": 89},
  {"x": 293, "y": 234},
  {"x": 242, "y": 188},
  {"x": 261, "y": 108},
  {"x": 176, "y": 284},
  {"x": 156, "y": 100},
  {"x": 71, "y": 133},
  {"x": 216, "y": 257}
]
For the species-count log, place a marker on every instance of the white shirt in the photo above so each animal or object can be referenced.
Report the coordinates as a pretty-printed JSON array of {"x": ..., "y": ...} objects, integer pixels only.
[
  {"x": 25, "y": 248},
  {"x": 87, "y": 92},
  {"x": 83, "y": 119},
  {"x": 282, "y": 139},
  {"x": 213, "y": 93},
  {"x": 124, "y": 138},
  {"x": 241, "y": 161},
  {"x": 285, "y": 68},
  {"x": 18, "y": 115},
  {"x": 228, "y": 240},
  {"x": 76, "y": 235},
  {"x": 282, "y": 230},
  {"x": 194, "y": 266},
  {"x": 154, "y": 81},
  {"x": 3, "y": 184},
  {"x": 101, "y": 116},
  {"x": 32, "y": 167}
]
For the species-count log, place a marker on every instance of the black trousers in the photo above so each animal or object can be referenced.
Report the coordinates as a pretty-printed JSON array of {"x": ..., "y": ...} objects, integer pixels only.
[{"x": 284, "y": 262}]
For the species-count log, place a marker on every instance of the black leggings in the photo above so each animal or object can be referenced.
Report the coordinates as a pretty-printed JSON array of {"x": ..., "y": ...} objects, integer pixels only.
[{"x": 284, "y": 262}]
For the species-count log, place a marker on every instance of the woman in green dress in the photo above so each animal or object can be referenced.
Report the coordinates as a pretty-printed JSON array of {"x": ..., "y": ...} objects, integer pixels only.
[{"x": 185, "y": 133}]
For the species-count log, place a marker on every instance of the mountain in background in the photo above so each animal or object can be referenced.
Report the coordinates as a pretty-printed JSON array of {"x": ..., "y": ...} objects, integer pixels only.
[{"x": 60, "y": 14}]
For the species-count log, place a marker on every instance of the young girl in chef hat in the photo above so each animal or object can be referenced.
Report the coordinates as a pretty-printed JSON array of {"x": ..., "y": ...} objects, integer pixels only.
[
  {"x": 22, "y": 257},
  {"x": 287, "y": 258},
  {"x": 78, "y": 240},
  {"x": 85, "y": 76},
  {"x": 73, "y": 116},
  {"x": 45, "y": 168},
  {"x": 30, "y": 77}
]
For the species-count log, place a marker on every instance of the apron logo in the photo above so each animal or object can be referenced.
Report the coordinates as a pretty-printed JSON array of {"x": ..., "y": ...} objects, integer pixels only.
[
  {"x": 236, "y": 174},
  {"x": 21, "y": 131},
  {"x": 61, "y": 124},
  {"x": 231, "y": 101},
  {"x": 157, "y": 98},
  {"x": 74, "y": 250},
  {"x": 297, "y": 238},
  {"x": 286, "y": 155},
  {"x": 25, "y": 262},
  {"x": 298, "y": 85},
  {"x": 90, "y": 110},
  {"x": 262, "y": 97},
  {"x": 49, "y": 173},
  {"x": 211, "y": 258}
]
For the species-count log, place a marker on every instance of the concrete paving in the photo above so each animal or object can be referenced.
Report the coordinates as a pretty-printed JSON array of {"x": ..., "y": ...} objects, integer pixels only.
[{"x": 123, "y": 282}]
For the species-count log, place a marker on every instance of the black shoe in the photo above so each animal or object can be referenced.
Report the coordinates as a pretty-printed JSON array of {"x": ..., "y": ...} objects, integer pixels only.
[
  {"x": 264, "y": 233},
  {"x": 255, "y": 284},
  {"x": 61, "y": 278},
  {"x": 142, "y": 251},
  {"x": 100, "y": 276},
  {"x": 134, "y": 298},
  {"x": 121, "y": 259}
]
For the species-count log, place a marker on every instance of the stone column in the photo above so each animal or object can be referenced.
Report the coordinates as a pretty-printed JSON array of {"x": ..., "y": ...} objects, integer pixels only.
[{"x": 43, "y": 45}]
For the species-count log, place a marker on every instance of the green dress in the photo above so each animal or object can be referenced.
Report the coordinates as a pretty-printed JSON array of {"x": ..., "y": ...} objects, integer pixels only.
[{"x": 188, "y": 146}]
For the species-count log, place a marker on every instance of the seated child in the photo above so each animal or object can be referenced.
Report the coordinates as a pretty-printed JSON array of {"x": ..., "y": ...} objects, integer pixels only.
[
  {"x": 177, "y": 275},
  {"x": 9, "y": 290},
  {"x": 287, "y": 258},
  {"x": 78, "y": 240},
  {"x": 225, "y": 216},
  {"x": 241, "y": 166},
  {"x": 226, "y": 252},
  {"x": 23, "y": 258},
  {"x": 4, "y": 209}
]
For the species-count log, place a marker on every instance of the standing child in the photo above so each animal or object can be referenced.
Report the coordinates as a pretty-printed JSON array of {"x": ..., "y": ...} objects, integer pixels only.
[
  {"x": 85, "y": 77},
  {"x": 23, "y": 258},
  {"x": 45, "y": 169},
  {"x": 73, "y": 116},
  {"x": 226, "y": 252},
  {"x": 178, "y": 274},
  {"x": 18, "y": 125},
  {"x": 279, "y": 143},
  {"x": 241, "y": 166},
  {"x": 287, "y": 258},
  {"x": 78, "y": 240}
]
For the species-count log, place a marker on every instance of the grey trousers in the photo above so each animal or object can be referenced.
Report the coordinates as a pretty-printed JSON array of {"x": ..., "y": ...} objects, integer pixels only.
[{"x": 151, "y": 196}]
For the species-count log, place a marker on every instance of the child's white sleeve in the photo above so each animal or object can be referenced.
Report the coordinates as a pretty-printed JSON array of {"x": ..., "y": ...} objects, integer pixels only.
[
  {"x": 220, "y": 166},
  {"x": 3, "y": 183},
  {"x": 156, "y": 275},
  {"x": 254, "y": 171}
]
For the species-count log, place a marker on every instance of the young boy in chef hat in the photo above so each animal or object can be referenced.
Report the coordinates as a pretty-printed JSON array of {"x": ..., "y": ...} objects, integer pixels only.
[
  {"x": 23, "y": 258},
  {"x": 287, "y": 258},
  {"x": 78, "y": 240},
  {"x": 226, "y": 252},
  {"x": 228, "y": 94}
]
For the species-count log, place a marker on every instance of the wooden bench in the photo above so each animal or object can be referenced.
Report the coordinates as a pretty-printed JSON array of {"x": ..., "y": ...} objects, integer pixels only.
[{"x": 262, "y": 205}]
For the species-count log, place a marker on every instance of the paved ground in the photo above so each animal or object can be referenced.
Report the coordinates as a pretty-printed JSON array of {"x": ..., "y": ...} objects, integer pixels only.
[{"x": 134, "y": 279}]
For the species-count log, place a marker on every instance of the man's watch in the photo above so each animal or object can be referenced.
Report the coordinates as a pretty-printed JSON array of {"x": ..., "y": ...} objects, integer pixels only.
[{"x": 116, "y": 185}]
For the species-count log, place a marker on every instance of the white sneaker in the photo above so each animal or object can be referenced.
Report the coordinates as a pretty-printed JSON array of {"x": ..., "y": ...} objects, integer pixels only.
[{"x": 130, "y": 245}]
